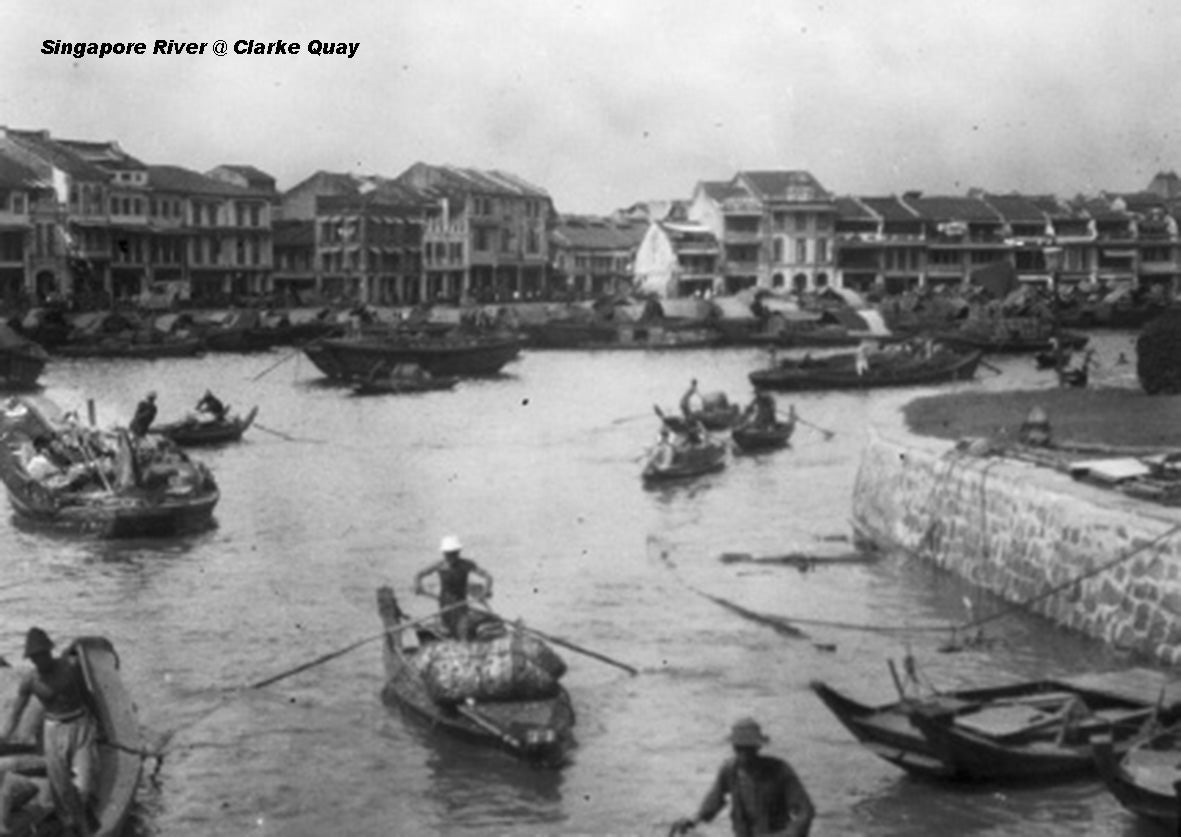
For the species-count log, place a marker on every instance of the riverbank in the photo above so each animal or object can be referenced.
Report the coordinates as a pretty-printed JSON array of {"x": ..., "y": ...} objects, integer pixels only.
[{"x": 1117, "y": 417}]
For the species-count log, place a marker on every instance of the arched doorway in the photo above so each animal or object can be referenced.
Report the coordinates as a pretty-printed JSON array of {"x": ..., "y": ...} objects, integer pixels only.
[
  {"x": 821, "y": 280},
  {"x": 799, "y": 283}
]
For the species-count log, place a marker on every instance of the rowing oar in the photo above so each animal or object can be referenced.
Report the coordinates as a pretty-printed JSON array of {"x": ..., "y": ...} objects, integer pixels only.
[
  {"x": 565, "y": 643},
  {"x": 286, "y": 436},
  {"x": 332, "y": 655},
  {"x": 828, "y": 434},
  {"x": 990, "y": 367},
  {"x": 468, "y": 710},
  {"x": 277, "y": 364}
]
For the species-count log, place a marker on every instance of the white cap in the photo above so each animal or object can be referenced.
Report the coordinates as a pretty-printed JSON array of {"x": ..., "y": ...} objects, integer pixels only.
[{"x": 450, "y": 544}]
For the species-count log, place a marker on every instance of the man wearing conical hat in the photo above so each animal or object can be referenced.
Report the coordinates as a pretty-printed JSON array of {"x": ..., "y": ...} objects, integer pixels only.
[
  {"x": 71, "y": 731},
  {"x": 767, "y": 798}
]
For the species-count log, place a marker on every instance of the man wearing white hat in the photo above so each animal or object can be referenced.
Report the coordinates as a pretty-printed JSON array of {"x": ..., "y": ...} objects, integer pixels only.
[
  {"x": 453, "y": 571},
  {"x": 767, "y": 798}
]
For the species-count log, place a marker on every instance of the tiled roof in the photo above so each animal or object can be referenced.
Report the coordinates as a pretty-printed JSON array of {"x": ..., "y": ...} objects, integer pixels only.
[
  {"x": 388, "y": 196},
  {"x": 186, "y": 181},
  {"x": 454, "y": 180},
  {"x": 587, "y": 233},
  {"x": 720, "y": 190},
  {"x": 890, "y": 208},
  {"x": 106, "y": 155},
  {"x": 851, "y": 209},
  {"x": 16, "y": 175},
  {"x": 794, "y": 186},
  {"x": 252, "y": 175},
  {"x": 1016, "y": 208},
  {"x": 53, "y": 153},
  {"x": 952, "y": 208}
]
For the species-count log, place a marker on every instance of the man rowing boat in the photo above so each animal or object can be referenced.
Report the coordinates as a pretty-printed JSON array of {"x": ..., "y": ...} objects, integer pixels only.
[{"x": 454, "y": 571}]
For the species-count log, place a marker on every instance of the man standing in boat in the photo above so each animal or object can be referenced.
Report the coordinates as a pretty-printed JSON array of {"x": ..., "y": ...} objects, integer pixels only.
[
  {"x": 145, "y": 414},
  {"x": 71, "y": 732},
  {"x": 454, "y": 571},
  {"x": 213, "y": 406},
  {"x": 767, "y": 798}
]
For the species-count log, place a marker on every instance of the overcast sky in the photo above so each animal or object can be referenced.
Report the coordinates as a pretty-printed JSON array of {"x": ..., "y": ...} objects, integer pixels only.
[{"x": 607, "y": 102}]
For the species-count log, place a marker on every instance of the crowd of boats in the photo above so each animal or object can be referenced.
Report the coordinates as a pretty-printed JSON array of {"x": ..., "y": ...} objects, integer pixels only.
[{"x": 500, "y": 684}]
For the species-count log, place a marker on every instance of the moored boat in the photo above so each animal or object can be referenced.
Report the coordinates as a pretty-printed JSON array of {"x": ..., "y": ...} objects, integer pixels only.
[
  {"x": 21, "y": 360},
  {"x": 683, "y": 459},
  {"x": 538, "y": 729},
  {"x": 750, "y": 437},
  {"x": 194, "y": 431},
  {"x": 64, "y": 476},
  {"x": 1035, "y": 730},
  {"x": 885, "y": 369},
  {"x": 120, "y": 753},
  {"x": 403, "y": 379},
  {"x": 1146, "y": 779},
  {"x": 353, "y": 359}
]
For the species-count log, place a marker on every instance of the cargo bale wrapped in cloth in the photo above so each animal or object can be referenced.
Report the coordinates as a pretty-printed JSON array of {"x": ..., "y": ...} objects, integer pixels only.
[{"x": 510, "y": 667}]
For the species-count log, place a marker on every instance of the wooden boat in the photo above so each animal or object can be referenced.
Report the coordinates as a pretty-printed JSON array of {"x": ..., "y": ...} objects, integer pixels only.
[
  {"x": 1146, "y": 779},
  {"x": 1037, "y": 730},
  {"x": 403, "y": 379},
  {"x": 751, "y": 438},
  {"x": 683, "y": 460},
  {"x": 196, "y": 432},
  {"x": 535, "y": 730},
  {"x": 114, "y": 487},
  {"x": 1014, "y": 336},
  {"x": 120, "y": 750},
  {"x": 119, "y": 347},
  {"x": 21, "y": 360},
  {"x": 353, "y": 359},
  {"x": 886, "y": 369}
]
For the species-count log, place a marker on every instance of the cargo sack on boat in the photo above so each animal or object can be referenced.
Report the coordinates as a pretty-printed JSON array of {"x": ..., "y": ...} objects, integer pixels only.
[{"x": 512, "y": 667}]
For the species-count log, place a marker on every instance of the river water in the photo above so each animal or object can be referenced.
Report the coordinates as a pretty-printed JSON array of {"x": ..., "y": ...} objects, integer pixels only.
[{"x": 537, "y": 471}]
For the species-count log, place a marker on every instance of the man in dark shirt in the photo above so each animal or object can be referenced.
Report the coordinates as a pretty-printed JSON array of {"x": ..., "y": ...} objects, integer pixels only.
[
  {"x": 145, "y": 414},
  {"x": 212, "y": 405},
  {"x": 453, "y": 572},
  {"x": 766, "y": 797},
  {"x": 71, "y": 731}
]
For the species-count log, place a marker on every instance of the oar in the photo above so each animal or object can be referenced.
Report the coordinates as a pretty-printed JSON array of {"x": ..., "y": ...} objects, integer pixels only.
[
  {"x": 990, "y": 367},
  {"x": 828, "y": 434},
  {"x": 565, "y": 643},
  {"x": 332, "y": 655},
  {"x": 468, "y": 710},
  {"x": 277, "y": 364},
  {"x": 287, "y": 436}
]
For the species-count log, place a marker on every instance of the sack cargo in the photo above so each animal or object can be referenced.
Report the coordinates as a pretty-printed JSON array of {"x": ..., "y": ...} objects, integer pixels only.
[{"x": 512, "y": 667}]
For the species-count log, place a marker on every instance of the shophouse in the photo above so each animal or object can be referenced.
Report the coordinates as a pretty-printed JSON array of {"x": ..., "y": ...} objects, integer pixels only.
[
  {"x": 593, "y": 256},
  {"x": 20, "y": 188},
  {"x": 486, "y": 235}
]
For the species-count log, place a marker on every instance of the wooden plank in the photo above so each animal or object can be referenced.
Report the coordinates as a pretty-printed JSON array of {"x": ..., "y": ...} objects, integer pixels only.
[
  {"x": 1005, "y": 721},
  {"x": 1140, "y": 685}
]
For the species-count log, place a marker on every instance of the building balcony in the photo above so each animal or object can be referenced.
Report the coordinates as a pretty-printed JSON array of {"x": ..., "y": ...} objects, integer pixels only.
[{"x": 742, "y": 237}]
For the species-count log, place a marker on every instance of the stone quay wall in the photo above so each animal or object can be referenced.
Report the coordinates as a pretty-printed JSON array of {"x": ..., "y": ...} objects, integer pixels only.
[{"x": 1019, "y": 530}]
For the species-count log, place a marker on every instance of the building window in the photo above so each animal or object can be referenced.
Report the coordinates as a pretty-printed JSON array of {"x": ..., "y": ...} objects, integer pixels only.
[
  {"x": 114, "y": 206},
  {"x": 801, "y": 250},
  {"x": 801, "y": 222},
  {"x": 822, "y": 249},
  {"x": 482, "y": 243},
  {"x": 777, "y": 252},
  {"x": 255, "y": 216},
  {"x": 18, "y": 203}
]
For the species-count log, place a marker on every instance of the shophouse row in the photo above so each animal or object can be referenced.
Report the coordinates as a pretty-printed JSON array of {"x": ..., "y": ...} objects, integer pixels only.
[{"x": 89, "y": 222}]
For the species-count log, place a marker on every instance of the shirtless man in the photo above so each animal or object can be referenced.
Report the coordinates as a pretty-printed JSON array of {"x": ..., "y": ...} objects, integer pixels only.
[{"x": 71, "y": 732}]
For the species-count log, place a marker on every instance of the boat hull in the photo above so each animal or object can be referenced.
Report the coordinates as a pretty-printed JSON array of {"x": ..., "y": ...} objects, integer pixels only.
[
  {"x": 687, "y": 463},
  {"x": 1143, "y": 779},
  {"x": 839, "y": 372},
  {"x": 539, "y": 731},
  {"x": 751, "y": 439},
  {"x": 1006, "y": 733},
  {"x": 356, "y": 360},
  {"x": 191, "y": 434}
]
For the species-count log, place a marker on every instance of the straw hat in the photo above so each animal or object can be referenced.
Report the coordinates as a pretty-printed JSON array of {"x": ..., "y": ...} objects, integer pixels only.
[
  {"x": 747, "y": 733},
  {"x": 450, "y": 544}
]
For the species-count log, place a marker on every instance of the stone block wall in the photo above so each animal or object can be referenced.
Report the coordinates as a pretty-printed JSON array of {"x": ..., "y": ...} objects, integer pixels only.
[{"x": 1019, "y": 531}]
